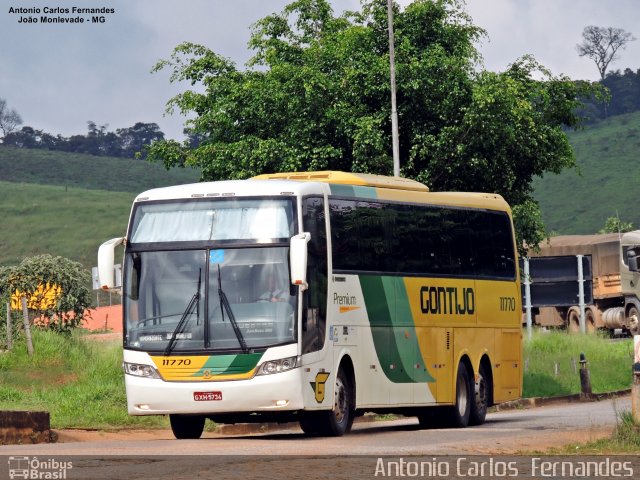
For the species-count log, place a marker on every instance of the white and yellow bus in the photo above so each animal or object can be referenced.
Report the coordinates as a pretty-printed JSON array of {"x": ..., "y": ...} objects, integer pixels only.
[{"x": 316, "y": 297}]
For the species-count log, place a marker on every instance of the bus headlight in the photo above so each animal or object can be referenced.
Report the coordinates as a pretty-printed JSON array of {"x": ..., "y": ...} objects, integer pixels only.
[
  {"x": 140, "y": 370},
  {"x": 277, "y": 366}
]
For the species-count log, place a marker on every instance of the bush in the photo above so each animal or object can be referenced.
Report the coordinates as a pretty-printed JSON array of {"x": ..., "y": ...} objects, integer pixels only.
[{"x": 55, "y": 288}]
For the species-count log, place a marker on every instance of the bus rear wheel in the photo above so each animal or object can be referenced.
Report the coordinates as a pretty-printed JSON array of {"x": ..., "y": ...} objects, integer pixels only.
[
  {"x": 480, "y": 403},
  {"x": 459, "y": 414},
  {"x": 187, "y": 426}
]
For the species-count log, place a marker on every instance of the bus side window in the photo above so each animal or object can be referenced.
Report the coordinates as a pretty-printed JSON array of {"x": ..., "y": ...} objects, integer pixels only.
[{"x": 314, "y": 313}]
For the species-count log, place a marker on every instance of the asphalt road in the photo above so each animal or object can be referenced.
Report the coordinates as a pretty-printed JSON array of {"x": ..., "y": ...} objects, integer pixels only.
[{"x": 503, "y": 432}]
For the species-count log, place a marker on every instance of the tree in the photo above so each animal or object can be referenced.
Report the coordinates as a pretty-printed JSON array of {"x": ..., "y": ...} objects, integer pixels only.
[
  {"x": 9, "y": 119},
  {"x": 27, "y": 137},
  {"x": 602, "y": 44},
  {"x": 615, "y": 225},
  {"x": 37, "y": 275},
  {"x": 134, "y": 139},
  {"x": 316, "y": 96}
]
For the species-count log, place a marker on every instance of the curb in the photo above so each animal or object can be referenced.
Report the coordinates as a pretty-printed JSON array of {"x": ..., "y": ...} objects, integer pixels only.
[
  {"x": 535, "y": 402},
  {"x": 23, "y": 427}
]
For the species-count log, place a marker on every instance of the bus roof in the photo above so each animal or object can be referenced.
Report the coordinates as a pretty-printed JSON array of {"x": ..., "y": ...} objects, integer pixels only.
[
  {"x": 356, "y": 185},
  {"x": 348, "y": 178}
]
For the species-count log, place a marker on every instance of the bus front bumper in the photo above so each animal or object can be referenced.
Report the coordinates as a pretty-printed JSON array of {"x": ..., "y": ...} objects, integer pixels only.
[{"x": 262, "y": 393}]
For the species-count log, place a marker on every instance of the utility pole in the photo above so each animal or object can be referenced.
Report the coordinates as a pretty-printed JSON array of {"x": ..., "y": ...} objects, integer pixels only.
[{"x": 394, "y": 110}]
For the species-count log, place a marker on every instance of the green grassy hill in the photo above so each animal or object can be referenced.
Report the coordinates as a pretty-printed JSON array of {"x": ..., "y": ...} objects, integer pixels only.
[
  {"x": 71, "y": 222},
  {"x": 68, "y": 204},
  {"x": 606, "y": 182},
  {"x": 45, "y": 167}
]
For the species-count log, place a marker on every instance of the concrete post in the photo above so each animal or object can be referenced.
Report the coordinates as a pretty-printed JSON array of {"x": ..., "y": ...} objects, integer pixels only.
[
  {"x": 583, "y": 324},
  {"x": 585, "y": 378},
  {"x": 635, "y": 387}
]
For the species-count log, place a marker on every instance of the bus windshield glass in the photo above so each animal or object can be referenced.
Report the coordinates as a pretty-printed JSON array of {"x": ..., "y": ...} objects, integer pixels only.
[
  {"x": 208, "y": 299},
  {"x": 262, "y": 220}
]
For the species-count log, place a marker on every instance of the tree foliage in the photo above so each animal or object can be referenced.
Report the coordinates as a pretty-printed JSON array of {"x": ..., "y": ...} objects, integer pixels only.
[
  {"x": 316, "y": 96},
  {"x": 35, "y": 275},
  {"x": 124, "y": 142},
  {"x": 615, "y": 225},
  {"x": 623, "y": 96},
  {"x": 602, "y": 45},
  {"x": 9, "y": 119}
]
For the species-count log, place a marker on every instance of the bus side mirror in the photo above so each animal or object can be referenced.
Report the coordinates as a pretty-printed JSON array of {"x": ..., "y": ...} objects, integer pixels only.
[
  {"x": 106, "y": 272},
  {"x": 298, "y": 259}
]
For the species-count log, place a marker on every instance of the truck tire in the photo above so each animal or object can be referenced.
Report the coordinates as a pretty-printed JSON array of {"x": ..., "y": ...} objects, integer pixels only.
[
  {"x": 573, "y": 320},
  {"x": 634, "y": 321},
  {"x": 590, "y": 320}
]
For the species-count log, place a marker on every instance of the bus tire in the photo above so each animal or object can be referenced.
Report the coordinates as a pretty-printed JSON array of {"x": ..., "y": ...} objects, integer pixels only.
[
  {"x": 459, "y": 414},
  {"x": 309, "y": 422},
  {"x": 338, "y": 421},
  {"x": 480, "y": 402},
  {"x": 186, "y": 427},
  {"x": 433, "y": 417}
]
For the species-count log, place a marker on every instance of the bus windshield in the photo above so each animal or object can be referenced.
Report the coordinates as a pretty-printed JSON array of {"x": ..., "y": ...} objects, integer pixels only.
[
  {"x": 208, "y": 299},
  {"x": 209, "y": 274}
]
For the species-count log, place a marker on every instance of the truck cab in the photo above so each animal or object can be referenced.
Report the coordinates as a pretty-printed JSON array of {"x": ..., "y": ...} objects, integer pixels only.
[{"x": 630, "y": 278}]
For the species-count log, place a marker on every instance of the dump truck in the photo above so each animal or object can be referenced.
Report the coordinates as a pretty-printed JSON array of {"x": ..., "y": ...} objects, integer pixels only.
[{"x": 611, "y": 283}]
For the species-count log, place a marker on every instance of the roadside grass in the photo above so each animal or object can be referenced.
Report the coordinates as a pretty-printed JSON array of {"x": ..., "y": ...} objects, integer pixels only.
[
  {"x": 79, "y": 381},
  {"x": 609, "y": 363}
]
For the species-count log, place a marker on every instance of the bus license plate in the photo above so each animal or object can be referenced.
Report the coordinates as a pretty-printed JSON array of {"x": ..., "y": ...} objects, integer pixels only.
[{"x": 207, "y": 396}]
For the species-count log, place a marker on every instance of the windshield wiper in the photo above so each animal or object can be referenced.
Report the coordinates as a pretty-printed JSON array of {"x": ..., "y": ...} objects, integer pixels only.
[
  {"x": 193, "y": 303},
  {"x": 224, "y": 305}
]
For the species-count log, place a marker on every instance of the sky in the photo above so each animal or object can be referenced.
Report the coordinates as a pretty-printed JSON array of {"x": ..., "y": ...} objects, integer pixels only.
[{"x": 60, "y": 76}]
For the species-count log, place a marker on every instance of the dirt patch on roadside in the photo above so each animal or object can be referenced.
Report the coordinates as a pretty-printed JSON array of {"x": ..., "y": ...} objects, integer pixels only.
[
  {"x": 545, "y": 441},
  {"x": 73, "y": 435}
]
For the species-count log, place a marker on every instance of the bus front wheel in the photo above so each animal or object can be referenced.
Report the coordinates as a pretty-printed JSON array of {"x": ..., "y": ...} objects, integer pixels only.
[
  {"x": 337, "y": 421},
  {"x": 187, "y": 426}
]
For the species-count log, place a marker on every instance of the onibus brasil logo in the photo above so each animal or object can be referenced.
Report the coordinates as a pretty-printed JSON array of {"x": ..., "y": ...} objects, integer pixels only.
[{"x": 34, "y": 468}]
